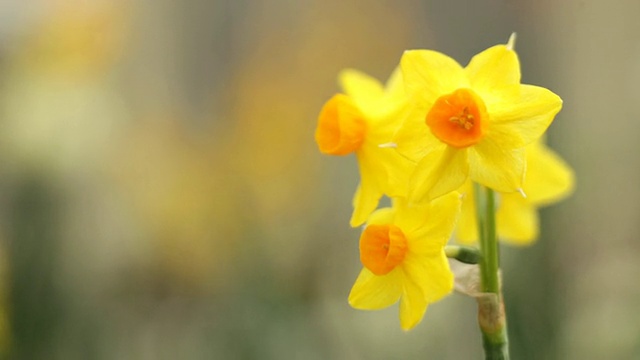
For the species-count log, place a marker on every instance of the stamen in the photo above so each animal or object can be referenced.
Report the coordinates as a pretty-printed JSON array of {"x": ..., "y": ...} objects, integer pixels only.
[
  {"x": 458, "y": 118},
  {"x": 465, "y": 119}
]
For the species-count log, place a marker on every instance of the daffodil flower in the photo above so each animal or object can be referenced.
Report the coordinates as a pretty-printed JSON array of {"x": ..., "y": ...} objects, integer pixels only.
[
  {"x": 402, "y": 250},
  {"x": 362, "y": 121},
  {"x": 470, "y": 123},
  {"x": 548, "y": 180}
]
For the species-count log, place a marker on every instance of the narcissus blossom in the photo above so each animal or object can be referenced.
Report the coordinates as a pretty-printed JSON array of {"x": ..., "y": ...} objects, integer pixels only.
[
  {"x": 548, "y": 180},
  {"x": 470, "y": 123},
  {"x": 402, "y": 250},
  {"x": 359, "y": 121}
]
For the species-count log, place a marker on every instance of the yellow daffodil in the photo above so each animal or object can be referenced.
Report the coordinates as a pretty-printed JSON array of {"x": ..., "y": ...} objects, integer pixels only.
[
  {"x": 359, "y": 121},
  {"x": 402, "y": 250},
  {"x": 470, "y": 123},
  {"x": 548, "y": 180}
]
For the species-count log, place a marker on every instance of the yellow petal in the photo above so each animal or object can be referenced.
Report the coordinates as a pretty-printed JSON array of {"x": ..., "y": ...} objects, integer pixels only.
[
  {"x": 398, "y": 171},
  {"x": 410, "y": 217},
  {"x": 413, "y": 137},
  {"x": 438, "y": 173},
  {"x": 413, "y": 305},
  {"x": 429, "y": 228},
  {"x": 426, "y": 279},
  {"x": 373, "y": 292},
  {"x": 429, "y": 74},
  {"x": 525, "y": 114},
  {"x": 371, "y": 98},
  {"x": 382, "y": 216},
  {"x": 382, "y": 126},
  {"x": 498, "y": 168},
  {"x": 364, "y": 202},
  {"x": 362, "y": 88},
  {"x": 431, "y": 273},
  {"x": 549, "y": 179},
  {"x": 382, "y": 171},
  {"x": 517, "y": 220},
  {"x": 368, "y": 193},
  {"x": 394, "y": 88},
  {"x": 467, "y": 227},
  {"x": 392, "y": 170},
  {"x": 493, "y": 68}
]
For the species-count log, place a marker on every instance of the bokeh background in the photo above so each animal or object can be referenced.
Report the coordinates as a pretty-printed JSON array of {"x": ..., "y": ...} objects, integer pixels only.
[{"x": 162, "y": 197}]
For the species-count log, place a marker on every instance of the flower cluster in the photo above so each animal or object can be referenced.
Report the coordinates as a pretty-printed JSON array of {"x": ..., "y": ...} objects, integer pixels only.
[{"x": 423, "y": 140}]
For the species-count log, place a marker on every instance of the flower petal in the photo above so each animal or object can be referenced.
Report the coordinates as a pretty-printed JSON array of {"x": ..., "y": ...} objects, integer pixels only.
[
  {"x": 364, "y": 202},
  {"x": 413, "y": 305},
  {"x": 525, "y": 114},
  {"x": 438, "y": 173},
  {"x": 409, "y": 217},
  {"x": 435, "y": 224},
  {"x": 371, "y": 98},
  {"x": 493, "y": 68},
  {"x": 498, "y": 168},
  {"x": 467, "y": 227},
  {"x": 430, "y": 74},
  {"x": 383, "y": 126},
  {"x": 362, "y": 88},
  {"x": 373, "y": 292},
  {"x": 368, "y": 193},
  {"x": 382, "y": 171},
  {"x": 517, "y": 220},
  {"x": 398, "y": 172},
  {"x": 413, "y": 138},
  {"x": 431, "y": 273},
  {"x": 549, "y": 179},
  {"x": 394, "y": 87},
  {"x": 382, "y": 216}
]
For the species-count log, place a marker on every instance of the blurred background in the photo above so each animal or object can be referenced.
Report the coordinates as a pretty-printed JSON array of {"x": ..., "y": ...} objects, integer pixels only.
[{"x": 162, "y": 197}]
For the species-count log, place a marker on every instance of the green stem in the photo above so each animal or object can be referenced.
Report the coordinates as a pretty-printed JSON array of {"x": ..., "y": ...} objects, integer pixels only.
[
  {"x": 491, "y": 316},
  {"x": 464, "y": 254}
]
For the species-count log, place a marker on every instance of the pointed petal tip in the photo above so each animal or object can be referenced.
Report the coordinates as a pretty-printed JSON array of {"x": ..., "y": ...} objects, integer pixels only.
[
  {"x": 408, "y": 325},
  {"x": 521, "y": 192},
  {"x": 355, "y": 222},
  {"x": 406, "y": 328},
  {"x": 388, "y": 145},
  {"x": 351, "y": 301},
  {"x": 511, "y": 44}
]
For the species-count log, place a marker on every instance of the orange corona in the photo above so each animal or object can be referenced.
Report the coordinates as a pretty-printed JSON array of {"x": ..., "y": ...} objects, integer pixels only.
[
  {"x": 341, "y": 127},
  {"x": 382, "y": 248},
  {"x": 458, "y": 119}
]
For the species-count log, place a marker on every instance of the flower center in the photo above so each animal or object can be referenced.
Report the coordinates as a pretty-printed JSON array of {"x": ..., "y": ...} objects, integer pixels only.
[
  {"x": 341, "y": 127},
  {"x": 382, "y": 248},
  {"x": 458, "y": 119}
]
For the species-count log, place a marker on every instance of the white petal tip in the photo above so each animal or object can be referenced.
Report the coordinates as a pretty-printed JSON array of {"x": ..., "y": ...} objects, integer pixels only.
[
  {"x": 511, "y": 44},
  {"x": 388, "y": 145},
  {"x": 521, "y": 192}
]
